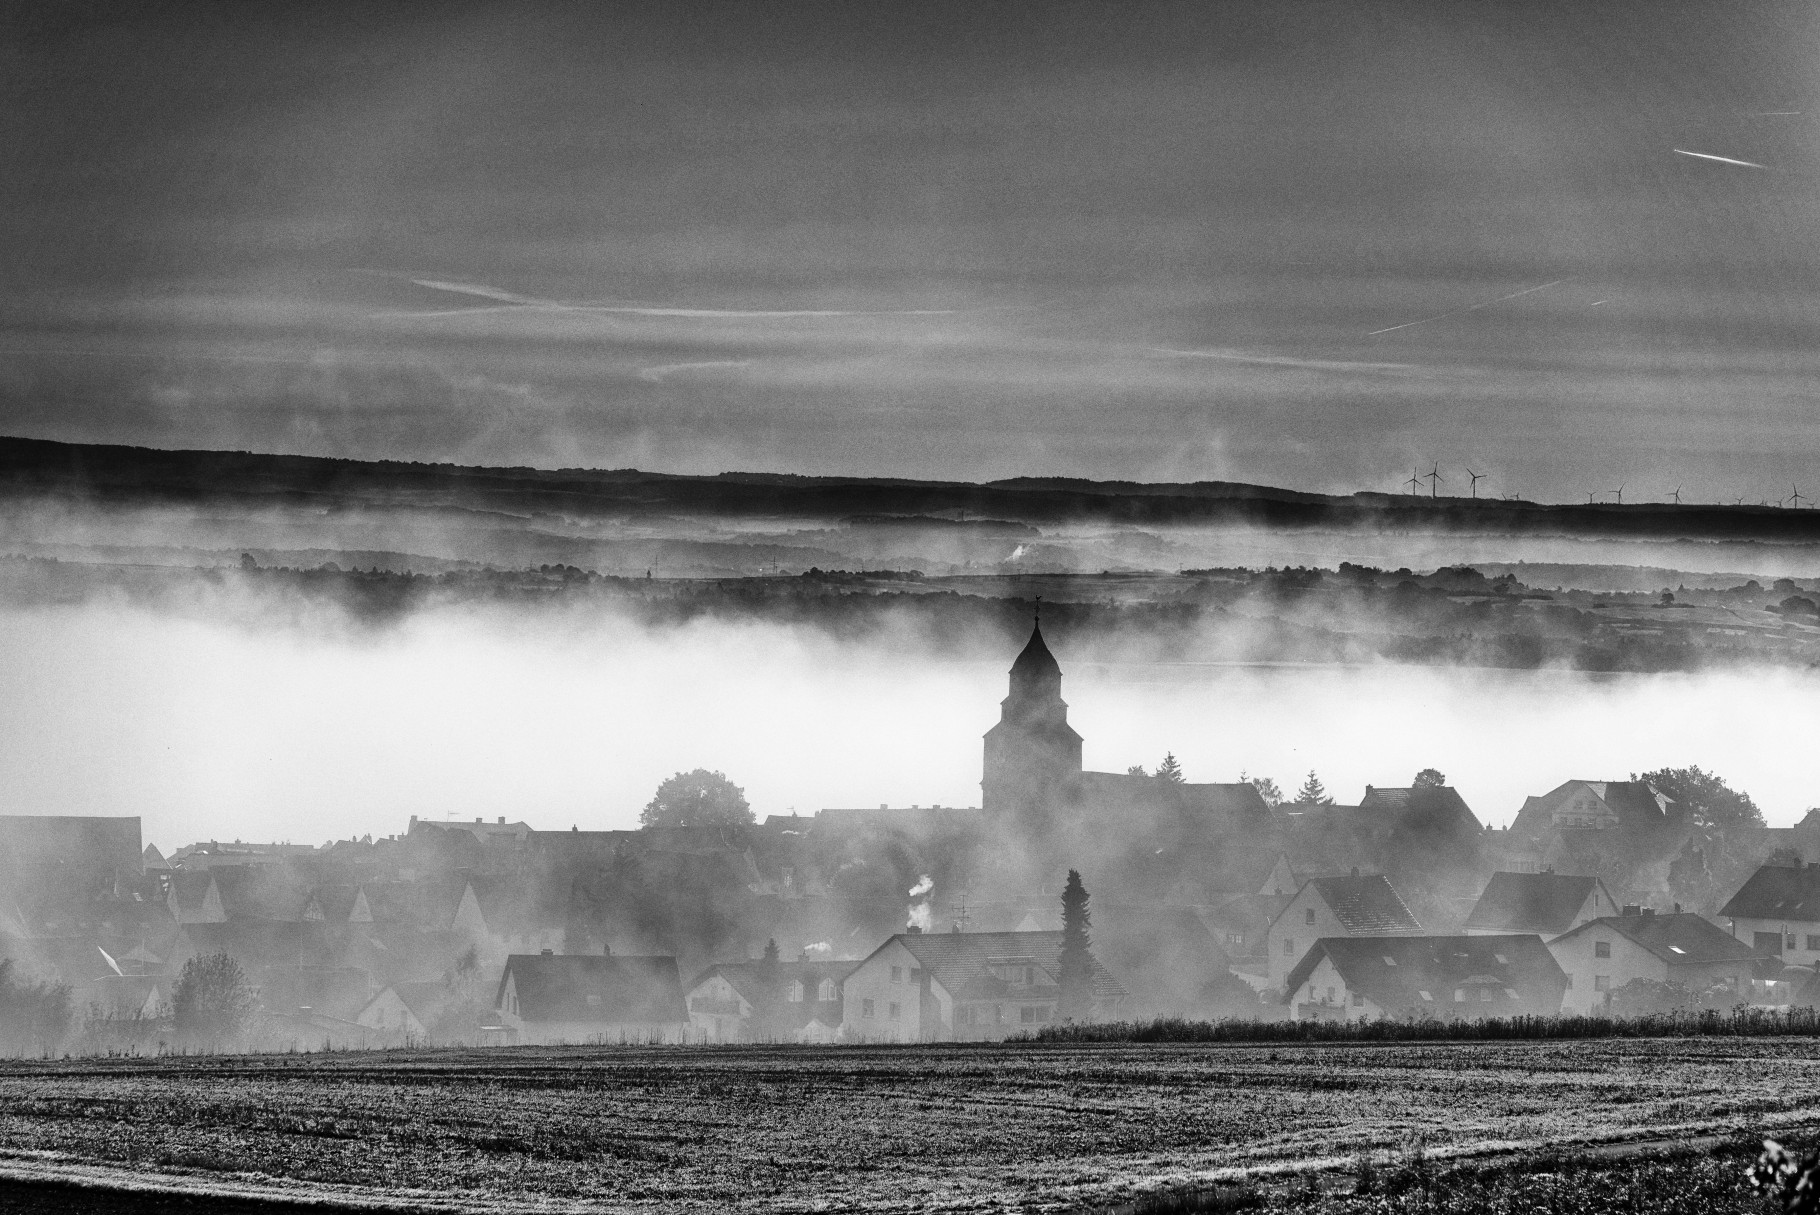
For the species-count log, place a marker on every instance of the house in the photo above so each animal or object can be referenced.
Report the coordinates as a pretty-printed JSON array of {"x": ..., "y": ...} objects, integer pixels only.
[
  {"x": 1545, "y": 903},
  {"x": 591, "y": 998},
  {"x": 1593, "y": 805},
  {"x": 1367, "y": 977},
  {"x": 962, "y": 986},
  {"x": 1777, "y": 912},
  {"x": 390, "y": 1013},
  {"x": 729, "y": 1002},
  {"x": 1353, "y": 906},
  {"x": 1604, "y": 954}
]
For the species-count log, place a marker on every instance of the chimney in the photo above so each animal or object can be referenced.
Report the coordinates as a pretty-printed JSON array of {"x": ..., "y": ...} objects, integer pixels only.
[
  {"x": 914, "y": 930},
  {"x": 1677, "y": 909},
  {"x": 502, "y": 820},
  {"x": 1632, "y": 909},
  {"x": 549, "y": 953},
  {"x": 413, "y": 820},
  {"x": 1355, "y": 871},
  {"x": 607, "y": 950},
  {"x": 1648, "y": 911}
]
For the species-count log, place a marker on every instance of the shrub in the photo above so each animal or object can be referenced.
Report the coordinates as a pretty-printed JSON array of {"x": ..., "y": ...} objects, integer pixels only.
[
  {"x": 213, "y": 1001},
  {"x": 33, "y": 1016}
]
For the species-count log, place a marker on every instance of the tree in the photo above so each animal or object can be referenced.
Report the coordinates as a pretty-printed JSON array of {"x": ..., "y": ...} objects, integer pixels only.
[
  {"x": 1429, "y": 778},
  {"x": 1137, "y": 770},
  {"x": 1312, "y": 792},
  {"x": 1267, "y": 788},
  {"x": 33, "y": 1016},
  {"x": 769, "y": 1002},
  {"x": 1075, "y": 965},
  {"x": 698, "y": 799},
  {"x": 212, "y": 1002},
  {"x": 1710, "y": 806},
  {"x": 1170, "y": 770}
]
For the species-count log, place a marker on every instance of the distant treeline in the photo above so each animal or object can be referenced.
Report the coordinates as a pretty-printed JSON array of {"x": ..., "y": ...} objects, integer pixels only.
[{"x": 1735, "y": 1023}]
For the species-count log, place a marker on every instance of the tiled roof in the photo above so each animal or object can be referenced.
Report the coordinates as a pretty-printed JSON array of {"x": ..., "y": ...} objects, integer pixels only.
[
  {"x": 746, "y": 980},
  {"x": 1777, "y": 892},
  {"x": 1394, "y": 972},
  {"x": 1677, "y": 939},
  {"x": 1367, "y": 904},
  {"x": 956, "y": 959},
  {"x": 629, "y": 990},
  {"x": 1530, "y": 902}
]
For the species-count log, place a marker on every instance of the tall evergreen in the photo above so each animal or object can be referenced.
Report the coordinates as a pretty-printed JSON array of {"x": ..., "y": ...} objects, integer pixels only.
[
  {"x": 1170, "y": 769},
  {"x": 1076, "y": 968},
  {"x": 1312, "y": 792}
]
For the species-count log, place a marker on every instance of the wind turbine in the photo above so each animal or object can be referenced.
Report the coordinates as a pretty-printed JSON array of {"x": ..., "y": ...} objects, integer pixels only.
[
  {"x": 1675, "y": 493},
  {"x": 1620, "y": 492},
  {"x": 1589, "y": 496},
  {"x": 1434, "y": 478},
  {"x": 1797, "y": 496},
  {"x": 1738, "y": 501},
  {"x": 1476, "y": 478},
  {"x": 1413, "y": 482}
]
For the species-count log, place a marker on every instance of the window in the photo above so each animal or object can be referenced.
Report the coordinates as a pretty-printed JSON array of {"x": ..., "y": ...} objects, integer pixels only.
[
  {"x": 1330, "y": 993},
  {"x": 865, "y": 1008},
  {"x": 1502, "y": 960},
  {"x": 1767, "y": 942},
  {"x": 1677, "y": 949},
  {"x": 1791, "y": 940},
  {"x": 1029, "y": 976},
  {"x": 1601, "y": 949},
  {"x": 1601, "y": 982},
  {"x": 1389, "y": 961},
  {"x": 1288, "y": 947},
  {"x": 1459, "y": 995},
  {"x": 896, "y": 1011},
  {"x": 1308, "y": 916},
  {"x": 1358, "y": 1001},
  {"x": 916, "y": 974},
  {"x": 826, "y": 991},
  {"x": 593, "y": 999},
  {"x": 1426, "y": 996},
  {"x": 1813, "y": 941},
  {"x": 1512, "y": 993},
  {"x": 897, "y": 974},
  {"x": 1027, "y": 1015},
  {"x": 1485, "y": 995},
  {"x": 796, "y": 992}
]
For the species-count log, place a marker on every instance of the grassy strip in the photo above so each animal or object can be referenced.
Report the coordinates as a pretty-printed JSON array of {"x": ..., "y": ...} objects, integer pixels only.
[{"x": 1737, "y": 1023}]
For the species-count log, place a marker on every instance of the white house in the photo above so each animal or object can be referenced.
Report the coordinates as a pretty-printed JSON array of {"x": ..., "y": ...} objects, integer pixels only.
[
  {"x": 1333, "y": 907},
  {"x": 1364, "y": 978},
  {"x": 1605, "y": 954}
]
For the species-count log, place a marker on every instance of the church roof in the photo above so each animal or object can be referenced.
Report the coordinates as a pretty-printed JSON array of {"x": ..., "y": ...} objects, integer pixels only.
[{"x": 1035, "y": 660}]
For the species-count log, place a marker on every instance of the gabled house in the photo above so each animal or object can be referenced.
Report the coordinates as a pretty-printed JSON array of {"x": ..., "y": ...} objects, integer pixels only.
[
  {"x": 1777, "y": 912},
  {"x": 591, "y": 998},
  {"x": 1354, "y": 906},
  {"x": 963, "y": 986},
  {"x": 1365, "y": 978},
  {"x": 1548, "y": 904},
  {"x": 390, "y": 1013},
  {"x": 1593, "y": 805},
  {"x": 1685, "y": 949},
  {"x": 736, "y": 1002}
]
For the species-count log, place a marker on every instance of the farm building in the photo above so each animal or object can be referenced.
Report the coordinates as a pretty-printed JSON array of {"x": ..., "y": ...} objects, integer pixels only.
[
  {"x": 1545, "y": 903},
  {"x": 1605, "y": 954},
  {"x": 1777, "y": 912},
  {"x": 591, "y": 998},
  {"x": 962, "y": 986},
  {"x": 1352, "y": 906},
  {"x": 739, "y": 1002},
  {"x": 1364, "y": 978}
]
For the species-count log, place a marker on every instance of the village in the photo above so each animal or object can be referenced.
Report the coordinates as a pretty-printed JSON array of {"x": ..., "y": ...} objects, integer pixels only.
[{"x": 1602, "y": 897}]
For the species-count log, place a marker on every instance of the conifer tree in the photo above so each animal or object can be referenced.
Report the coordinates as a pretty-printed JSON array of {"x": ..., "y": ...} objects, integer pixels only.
[
  {"x": 1075, "y": 966},
  {"x": 1312, "y": 792},
  {"x": 1170, "y": 770},
  {"x": 770, "y": 995}
]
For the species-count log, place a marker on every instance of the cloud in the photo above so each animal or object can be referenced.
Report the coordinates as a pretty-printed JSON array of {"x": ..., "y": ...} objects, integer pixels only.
[
  {"x": 512, "y": 300},
  {"x": 1276, "y": 360},
  {"x": 658, "y": 374}
]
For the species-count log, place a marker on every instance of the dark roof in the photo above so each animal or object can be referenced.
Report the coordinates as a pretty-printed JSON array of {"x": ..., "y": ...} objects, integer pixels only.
[
  {"x": 1393, "y": 972},
  {"x": 1777, "y": 892},
  {"x": 1634, "y": 802},
  {"x": 1035, "y": 661},
  {"x": 746, "y": 978},
  {"x": 1366, "y": 904},
  {"x": 632, "y": 990},
  {"x": 1678, "y": 939},
  {"x": 1530, "y": 902},
  {"x": 957, "y": 959}
]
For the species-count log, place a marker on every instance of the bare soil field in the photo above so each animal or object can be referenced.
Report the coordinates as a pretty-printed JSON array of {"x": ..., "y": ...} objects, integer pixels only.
[{"x": 953, "y": 1128}]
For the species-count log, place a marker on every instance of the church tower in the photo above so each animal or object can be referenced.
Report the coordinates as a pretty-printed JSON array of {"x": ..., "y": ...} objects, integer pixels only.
[{"x": 1032, "y": 749}]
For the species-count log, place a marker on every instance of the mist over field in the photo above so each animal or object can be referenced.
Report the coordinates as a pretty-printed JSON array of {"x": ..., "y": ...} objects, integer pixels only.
[{"x": 307, "y": 728}]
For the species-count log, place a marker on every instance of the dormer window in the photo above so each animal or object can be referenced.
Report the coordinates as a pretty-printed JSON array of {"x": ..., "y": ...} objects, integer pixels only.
[{"x": 796, "y": 992}]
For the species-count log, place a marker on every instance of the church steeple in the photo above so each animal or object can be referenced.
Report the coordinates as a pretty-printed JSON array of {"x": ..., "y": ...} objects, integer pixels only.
[{"x": 1032, "y": 748}]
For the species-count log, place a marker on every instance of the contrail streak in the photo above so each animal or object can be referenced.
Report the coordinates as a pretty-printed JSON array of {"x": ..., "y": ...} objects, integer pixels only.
[
  {"x": 1469, "y": 308},
  {"x": 1724, "y": 160}
]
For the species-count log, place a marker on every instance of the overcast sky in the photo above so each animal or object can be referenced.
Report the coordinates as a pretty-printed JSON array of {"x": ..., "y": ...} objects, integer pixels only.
[{"x": 1570, "y": 245}]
